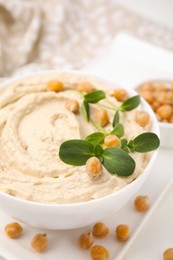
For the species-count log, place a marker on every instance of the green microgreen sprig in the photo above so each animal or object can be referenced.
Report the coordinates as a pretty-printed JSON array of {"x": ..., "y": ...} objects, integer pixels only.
[
  {"x": 93, "y": 98},
  {"x": 117, "y": 161}
]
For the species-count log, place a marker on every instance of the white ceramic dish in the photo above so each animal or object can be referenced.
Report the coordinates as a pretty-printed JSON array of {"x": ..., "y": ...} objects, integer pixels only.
[
  {"x": 63, "y": 244},
  {"x": 80, "y": 214},
  {"x": 166, "y": 135}
]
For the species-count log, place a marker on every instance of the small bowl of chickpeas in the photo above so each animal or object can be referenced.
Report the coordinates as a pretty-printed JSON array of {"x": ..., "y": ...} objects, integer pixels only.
[{"x": 159, "y": 94}]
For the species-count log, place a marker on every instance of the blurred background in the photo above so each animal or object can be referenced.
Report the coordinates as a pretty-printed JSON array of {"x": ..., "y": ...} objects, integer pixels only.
[{"x": 70, "y": 34}]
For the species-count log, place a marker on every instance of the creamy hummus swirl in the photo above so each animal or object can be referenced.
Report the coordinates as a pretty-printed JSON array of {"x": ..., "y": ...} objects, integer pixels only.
[{"x": 33, "y": 125}]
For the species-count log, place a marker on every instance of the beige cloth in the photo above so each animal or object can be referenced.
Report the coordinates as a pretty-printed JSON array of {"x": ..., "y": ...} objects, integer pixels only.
[{"x": 63, "y": 34}]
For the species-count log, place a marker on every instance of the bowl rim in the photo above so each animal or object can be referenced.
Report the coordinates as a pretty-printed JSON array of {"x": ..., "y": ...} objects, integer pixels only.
[{"x": 95, "y": 76}]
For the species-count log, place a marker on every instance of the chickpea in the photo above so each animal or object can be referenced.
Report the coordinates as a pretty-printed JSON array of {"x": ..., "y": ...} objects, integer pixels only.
[
  {"x": 86, "y": 240},
  {"x": 122, "y": 232},
  {"x": 163, "y": 97},
  {"x": 99, "y": 253},
  {"x": 164, "y": 111},
  {"x": 160, "y": 88},
  {"x": 94, "y": 167},
  {"x": 142, "y": 203},
  {"x": 142, "y": 118},
  {"x": 100, "y": 230},
  {"x": 39, "y": 242},
  {"x": 168, "y": 98},
  {"x": 85, "y": 87},
  {"x": 171, "y": 119},
  {"x": 72, "y": 106},
  {"x": 155, "y": 105},
  {"x": 168, "y": 254},
  {"x": 148, "y": 86},
  {"x": 120, "y": 94},
  {"x": 13, "y": 230},
  {"x": 148, "y": 96},
  {"x": 101, "y": 117},
  {"x": 160, "y": 97},
  {"x": 112, "y": 141},
  {"x": 55, "y": 85}
]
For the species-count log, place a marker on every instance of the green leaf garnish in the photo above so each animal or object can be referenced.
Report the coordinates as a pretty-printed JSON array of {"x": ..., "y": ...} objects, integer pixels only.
[
  {"x": 118, "y": 130},
  {"x": 98, "y": 150},
  {"x": 124, "y": 145},
  {"x": 76, "y": 152},
  {"x": 94, "y": 96},
  {"x": 95, "y": 138},
  {"x": 145, "y": 142},
  {"x": 118, "y": 162},
  {"x": 130, "y": 103},
  {"x": 85, "y": 110},
  {"x": 116, "y": 118}
]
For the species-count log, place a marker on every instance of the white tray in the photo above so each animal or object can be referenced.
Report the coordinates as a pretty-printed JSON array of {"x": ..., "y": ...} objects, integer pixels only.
[{"x": 128, "y": 62}]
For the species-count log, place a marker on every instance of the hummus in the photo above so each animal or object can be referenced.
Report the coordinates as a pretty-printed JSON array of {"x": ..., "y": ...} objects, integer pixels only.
[{"x": 33, "y": 124}]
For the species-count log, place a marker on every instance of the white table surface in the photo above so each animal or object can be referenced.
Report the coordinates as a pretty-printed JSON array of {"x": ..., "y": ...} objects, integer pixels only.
[{"x": 129, "y": 62}]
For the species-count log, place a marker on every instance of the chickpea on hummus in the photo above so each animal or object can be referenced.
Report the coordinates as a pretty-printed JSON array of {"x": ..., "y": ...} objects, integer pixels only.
[{"x": 36, "y": 117}]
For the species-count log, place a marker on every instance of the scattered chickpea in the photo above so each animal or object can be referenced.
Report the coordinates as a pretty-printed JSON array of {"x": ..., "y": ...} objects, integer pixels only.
[
  {"x": 99, "y": 253},
  {"x": 168, "y": 254},
  {"x": 122, "y": 232},
  {"x": 142, "y": 118},
  {"x": 94, "y": 167},
  {"x": 100, "y": 230},
  {"x": 13, "y": 230},
  {"x": 112, "y": 141},
  {"x": 164, "y": 111},
  {"x": 86, "y": 240},
  {"x": 72, "y": 106},
  {"x": 142, "y": 203},
  {"x": 85, "y": 87},
  {"x": 120, "y": 94},
  {"x": 101, "y": 117},
  {"x": 39, "y": 242},
  {"x": 55, "y": 85}
]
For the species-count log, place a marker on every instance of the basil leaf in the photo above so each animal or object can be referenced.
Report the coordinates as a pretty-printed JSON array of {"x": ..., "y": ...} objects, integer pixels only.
[
  {"x": 76, "y": 152},
  {"x": 118, "y": 130},
  {"x": 85, "y": 110},
  {"x": 98, "y": 150},
  {"x": 118, "y": 162},
  {"x": 94, "y": 96},
  {"x": 95, "y": 138},
  {"x": 145, "y": 142},
  {"x": 130, "y": 103},
  {"x": 116, "y": 118}
]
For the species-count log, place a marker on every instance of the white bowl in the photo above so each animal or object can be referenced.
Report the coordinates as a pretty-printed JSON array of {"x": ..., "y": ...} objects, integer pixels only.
[
  {"x": 166, "y": 135},
  {"x": 69, "y": 216}
]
